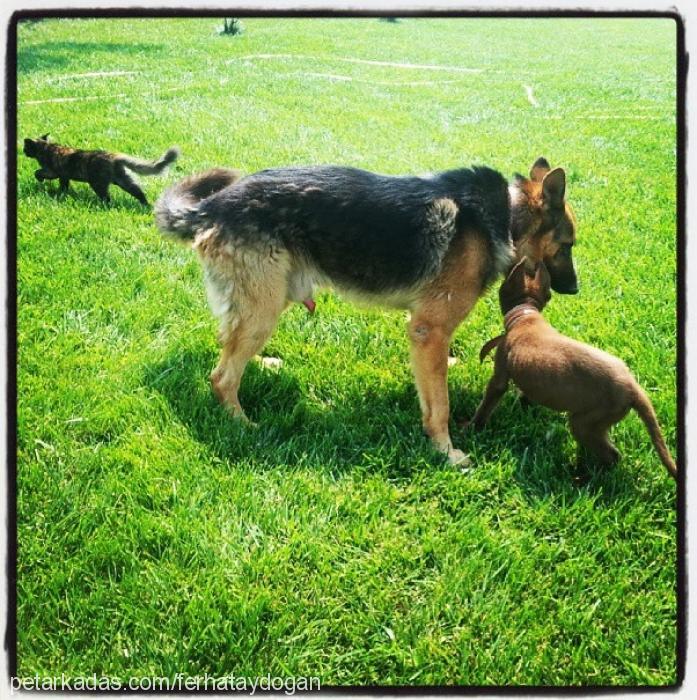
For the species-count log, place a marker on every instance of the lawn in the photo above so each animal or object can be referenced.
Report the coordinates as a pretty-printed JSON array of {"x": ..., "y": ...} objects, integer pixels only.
[{"x": 156, "y": 536}]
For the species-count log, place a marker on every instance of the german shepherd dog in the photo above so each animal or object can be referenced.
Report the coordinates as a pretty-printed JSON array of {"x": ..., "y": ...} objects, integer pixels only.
[
  {"x": 98, "y": 168},
  {"x": 431, "y": 245},
  {"x": 595, "y": 389}
]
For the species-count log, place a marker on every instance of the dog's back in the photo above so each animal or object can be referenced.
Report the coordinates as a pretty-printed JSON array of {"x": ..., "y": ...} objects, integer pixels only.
[
  {"x": 361, "y": 231},
  {"x": 561, "y": 373}
]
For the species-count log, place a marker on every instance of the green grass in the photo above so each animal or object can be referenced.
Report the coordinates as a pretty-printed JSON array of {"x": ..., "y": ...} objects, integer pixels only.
[{"x": 155, "y": 536}]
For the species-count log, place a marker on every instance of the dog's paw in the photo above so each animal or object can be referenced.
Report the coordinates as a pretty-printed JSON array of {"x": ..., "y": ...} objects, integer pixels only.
[
  {"x": 242, "y": 419},
  {"x": 458, "y": 458},
  {"x": 452, "y": 361}
]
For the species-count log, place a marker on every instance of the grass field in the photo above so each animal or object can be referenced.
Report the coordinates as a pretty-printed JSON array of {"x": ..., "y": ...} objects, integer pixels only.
[{"x": 156, "y": 536}]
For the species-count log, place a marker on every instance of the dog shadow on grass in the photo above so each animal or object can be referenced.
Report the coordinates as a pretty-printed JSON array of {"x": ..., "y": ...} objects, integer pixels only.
[
  {"x": 538, "y": 441},
  {"x": 367, "y": 429},
  {"x": 295, "y": 425},
  {"x": 84, "y": 195}
]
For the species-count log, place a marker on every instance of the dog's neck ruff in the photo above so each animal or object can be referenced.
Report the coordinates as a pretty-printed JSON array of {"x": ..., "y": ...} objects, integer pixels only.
[{"x": 517, "y": 312}]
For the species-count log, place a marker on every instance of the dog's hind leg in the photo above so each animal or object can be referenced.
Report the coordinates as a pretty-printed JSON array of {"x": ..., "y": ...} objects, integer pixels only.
[
  {"x": 127, "y": 183},
  {"x": 591, "y": 431},
  {"x": 247, "y": 316}
]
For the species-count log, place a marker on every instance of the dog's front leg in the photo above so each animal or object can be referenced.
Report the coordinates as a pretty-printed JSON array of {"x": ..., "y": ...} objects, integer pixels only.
[
  {"x": 429, "y": 356},
  {"x": 44, "y": 174},
  {"x": 495, "y": 389}
]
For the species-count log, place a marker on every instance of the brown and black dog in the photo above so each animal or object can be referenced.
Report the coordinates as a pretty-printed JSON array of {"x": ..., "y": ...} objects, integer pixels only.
[
  {"x": 595, "y": 389},
  {"x": 431, "y": 245}
]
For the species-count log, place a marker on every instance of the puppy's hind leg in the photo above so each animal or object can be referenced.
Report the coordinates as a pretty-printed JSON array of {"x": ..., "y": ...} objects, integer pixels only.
[
  {"x": 591, "y": 431},
  {"x": 127, "y": 183}
]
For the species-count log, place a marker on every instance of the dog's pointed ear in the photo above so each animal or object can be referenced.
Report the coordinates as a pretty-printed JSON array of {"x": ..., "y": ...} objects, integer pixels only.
[
  {"x": 554, "y": 187},
  {"x": 539, "y": 169},
  {"x": 44, "y": 138},
  {"x": 542, "y": 275}
]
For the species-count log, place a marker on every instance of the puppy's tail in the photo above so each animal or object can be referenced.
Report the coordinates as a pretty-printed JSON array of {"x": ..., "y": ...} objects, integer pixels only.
[
  {"x": 176, "y": 211},
  {"x": 490, "y": 345},
  {"x": 149, "y": 167},
  {"x": 643, "y": 406}
]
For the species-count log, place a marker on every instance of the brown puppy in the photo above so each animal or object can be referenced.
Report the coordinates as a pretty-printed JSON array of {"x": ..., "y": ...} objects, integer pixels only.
[{"x": 596, "y": 389}]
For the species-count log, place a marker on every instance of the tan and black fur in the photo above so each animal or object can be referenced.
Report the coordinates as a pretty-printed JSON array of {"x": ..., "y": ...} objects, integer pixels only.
[
  {"x": 98, "y": 168},
  {"x": 594, "y": 388},
  {"x": 430, "y": 244}
]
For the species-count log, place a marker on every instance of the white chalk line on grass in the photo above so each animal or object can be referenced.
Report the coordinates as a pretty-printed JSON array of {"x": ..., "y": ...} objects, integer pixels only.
[
  {"x": 530, "y": 96},
  {"x": 110, "y": 96},
  {"x": 329, "y": 76},
  {"x": 96, "y": 74},
  {"x": 351, "y": 79},
  {"x": 84, "y": 98},
  {"x": 362, "y": 61},
  {"x": 627, "y": 117}
]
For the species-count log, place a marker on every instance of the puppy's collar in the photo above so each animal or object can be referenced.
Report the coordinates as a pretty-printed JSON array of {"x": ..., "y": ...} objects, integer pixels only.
[
  {"x": 518, "y": 312},
  {"x": 509, "y": 320}
]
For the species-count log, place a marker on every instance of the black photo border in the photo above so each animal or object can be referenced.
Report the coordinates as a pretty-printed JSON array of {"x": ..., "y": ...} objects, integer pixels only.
[{"x": 10, "y": 641}]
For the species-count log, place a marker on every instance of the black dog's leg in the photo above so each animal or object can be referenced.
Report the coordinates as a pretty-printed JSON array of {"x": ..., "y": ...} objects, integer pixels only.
[
  {"x": 44, "y": 174},
  {"x": 101, "y": 188},
  {"x": 127, "y": 183}
]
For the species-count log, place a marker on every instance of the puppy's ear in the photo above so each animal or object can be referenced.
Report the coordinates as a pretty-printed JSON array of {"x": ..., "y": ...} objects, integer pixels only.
[
  {"x": 544, "y": 283},
  {"x": 44, "y": 138},
  {"x": 520, "y": 264},
  {"x": 539, "y": 169},
  {"x": 517, "y": 274},
  {"x": 542, "y": 276},
  {"x": 554, "y": 187},
  {"x": 530, "y": 267}
]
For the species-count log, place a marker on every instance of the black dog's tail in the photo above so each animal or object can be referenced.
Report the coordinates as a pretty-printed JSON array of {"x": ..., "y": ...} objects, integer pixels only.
[
  {"x": 176, "y": 211},
  {"x": 149, "y": 167}
]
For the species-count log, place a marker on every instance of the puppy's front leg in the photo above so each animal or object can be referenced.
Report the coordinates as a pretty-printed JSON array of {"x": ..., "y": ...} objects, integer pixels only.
[
  {"x": 44, "y": 174},
  {"x": 495, "y": 389},
  {"x": 429, "y": 356}
]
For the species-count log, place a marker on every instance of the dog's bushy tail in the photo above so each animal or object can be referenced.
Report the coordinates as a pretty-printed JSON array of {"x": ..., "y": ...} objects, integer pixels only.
[
  {"x": 149, "y": 167},
  {"x": 643, "y": 406},
  {"x": 176, "y": 211}
]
